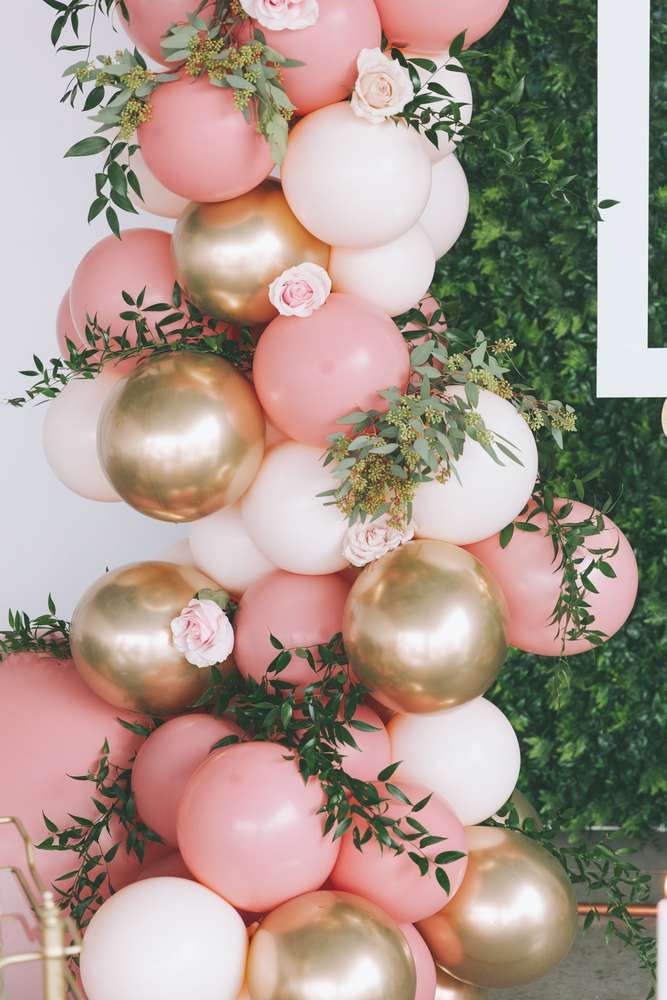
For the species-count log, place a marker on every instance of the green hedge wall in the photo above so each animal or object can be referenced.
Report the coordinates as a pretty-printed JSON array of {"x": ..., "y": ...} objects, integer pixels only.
[{"x": 525, "y": 267}]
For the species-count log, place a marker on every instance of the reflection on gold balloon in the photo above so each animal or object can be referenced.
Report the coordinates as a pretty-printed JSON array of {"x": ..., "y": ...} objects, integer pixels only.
[
  {"x": 448, "y": 988},
  {"x": 228, "y": 253},
  {"x": 121, "y": 638},
  {"x": 330, "y": 946},
  {"x": 512, "y": 920},
  {"x": 425, "y": 627},
  {"x": 181, "y": 437}
]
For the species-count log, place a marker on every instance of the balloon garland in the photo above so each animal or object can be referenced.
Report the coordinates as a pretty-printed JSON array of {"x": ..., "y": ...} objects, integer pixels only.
[{"x": 331, "y": 581}]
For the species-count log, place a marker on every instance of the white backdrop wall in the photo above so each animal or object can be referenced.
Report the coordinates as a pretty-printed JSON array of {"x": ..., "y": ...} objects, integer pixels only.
[{"x": 50, "y": 539}]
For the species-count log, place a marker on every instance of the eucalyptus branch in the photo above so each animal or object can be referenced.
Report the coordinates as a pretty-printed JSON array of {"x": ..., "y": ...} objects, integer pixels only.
[{"x": 45, "y": 635}]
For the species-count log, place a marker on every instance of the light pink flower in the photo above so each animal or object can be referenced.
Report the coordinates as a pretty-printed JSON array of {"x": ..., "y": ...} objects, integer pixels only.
[
  {"x": 364, "y": 543},
  {"x": 277, "y": 15},
  {"x": 383, "y": 87},
  {"x": 300, "y": 290},
  {"x": 203, "y": 633}
]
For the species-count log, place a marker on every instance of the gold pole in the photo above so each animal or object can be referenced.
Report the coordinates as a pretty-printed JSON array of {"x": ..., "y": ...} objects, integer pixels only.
[{"x": 603, "y": 910}]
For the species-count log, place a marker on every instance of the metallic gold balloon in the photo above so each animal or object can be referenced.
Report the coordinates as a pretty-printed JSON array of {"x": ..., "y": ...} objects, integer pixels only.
[
  {"x": 181, "y": 437},
  {"x": 228, "y": 253},
  {"x": 330, "y": 946},
  {"x": 512, "y": 920},
  {"x": 448, "y": 988},
  {"x": 425, "y": 627},
  {"x": 524, "y": 810},
  {"x": 121, "y": 638}
]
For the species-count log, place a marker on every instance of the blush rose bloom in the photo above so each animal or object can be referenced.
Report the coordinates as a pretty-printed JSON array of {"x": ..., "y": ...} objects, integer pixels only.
[
  {"x": 278, "y": 15},
  {"x": 300, "y": 290},
  {"x": 383, "y": 87},
  {"x": 364, "y": 543},
  {"x": 203, "y": 633}
]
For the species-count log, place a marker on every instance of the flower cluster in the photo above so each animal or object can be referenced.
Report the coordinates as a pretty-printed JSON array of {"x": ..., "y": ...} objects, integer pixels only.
[{"x": 300, "y": 290}]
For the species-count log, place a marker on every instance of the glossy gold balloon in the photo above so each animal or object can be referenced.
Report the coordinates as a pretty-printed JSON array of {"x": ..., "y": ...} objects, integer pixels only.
[
  {"x": 425, "y": 627},
  {"x": 448, "y": 988},
  {"x": 330, "y": 946},
  {"x": 181, "y": 437},
  {"x": 228, "y": 253},
  {"x": 121, "y": 638},
  {"x": 524, "y": 810},
  {"x": 512, "y": 920}
]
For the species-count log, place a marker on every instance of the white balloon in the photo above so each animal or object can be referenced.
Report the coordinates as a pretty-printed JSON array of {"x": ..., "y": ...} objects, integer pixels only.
[
  {"x": 458, "y": 85},
  {"x": 286, "y": 518},
  {"x": 179, "y": 553},
  {"x": 447, "y": 210},
  {"x": 223, "y": 549},
  {"x": 164, "y": 937},
  {"x": 353, "y": 183},
  {"x": 69, "y": 436},
  {"x": 469, "y": 756},
  {"x": 394, "y": 277},
  {"x": 488, "y": 495},
  {"x": 157, "y": 199}
]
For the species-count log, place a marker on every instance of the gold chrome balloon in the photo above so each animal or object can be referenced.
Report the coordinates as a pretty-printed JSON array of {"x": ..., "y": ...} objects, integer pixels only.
[
  {"x": 330, "y": 946},
  {"x": 182, "y": 436},
  {"x": 425, "y": 627},
  {"x": 228, "y": 253},
  {"x": 512, "y": 920},
  {"x": 448, "y": 988},
  {"x": 121, "y": 638},
  {"x": 524, "y": 809}
]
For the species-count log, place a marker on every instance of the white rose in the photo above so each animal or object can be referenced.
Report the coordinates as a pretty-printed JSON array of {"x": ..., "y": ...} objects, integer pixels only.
[
  {"x": 371, "y": 540},
  {"x": 383, "y": 87},
  {"x": 277, "y": 15},
  {"x": 203, "y": 633},
  {"x": 300, "y": 290}
]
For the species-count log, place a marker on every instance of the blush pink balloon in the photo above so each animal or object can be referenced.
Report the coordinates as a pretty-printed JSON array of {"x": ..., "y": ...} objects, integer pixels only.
[
  {"x": 432, "y": 25},
  {"x": 150, "y": 20},
  {"x": 309, "y": 373},
  {"x": 299, "y": 610},
  {"x": 170, "y": 866},
  {"x": 424, "y": 964},
  {"x": 329, "y": 50},
  {"x": 393, "y": 881},
  {"x": 199, "y": 145},
  {"x": 250, "y": 829},
  {"x": 140, "y": 259},
  {"x": 531, "y": 581},
  {"x": 374, "y": 753},
  {"x": 65, "y": 328},
  {"x": 166, "y": 762}
]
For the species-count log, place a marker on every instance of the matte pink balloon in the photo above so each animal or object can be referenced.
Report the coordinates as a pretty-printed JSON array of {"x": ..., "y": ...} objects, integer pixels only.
[
  {"x": 329, "y": 50},
  {"x": 424, "y": 964},
  {"x": 141, "y": 259},
  {"x": 393, "y": 881},
  {"x": 166, "y": 762},
  {"x": 150, "y": 20},
  {"x": 374, "y": 753},
  {"x": 531, "y": 581},
  {"x": 249, "y": 828},
  {"x": 65, "y": 328},
  {"x": 299, "y": 610},
  {"x": 199, "y": 145},
  {"x": 170, "y": 866},
  {"x": 432, "y": 25},
  {"x": 309, "y": 373}
]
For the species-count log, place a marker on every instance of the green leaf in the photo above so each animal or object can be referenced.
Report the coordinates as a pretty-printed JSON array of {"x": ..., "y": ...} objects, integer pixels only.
[
  {"x": 388, "y": 772},
  {"x": 88, "y": 147}
]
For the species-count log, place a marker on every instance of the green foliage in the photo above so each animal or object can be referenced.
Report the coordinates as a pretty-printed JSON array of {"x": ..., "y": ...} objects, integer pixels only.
[
  {"x": 45, "y": 635},
  {"x": 525, "y": 268}
]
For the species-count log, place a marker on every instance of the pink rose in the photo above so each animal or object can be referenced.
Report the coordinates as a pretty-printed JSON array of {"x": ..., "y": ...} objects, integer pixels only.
[
  {"x": 277, "y": 15},
  {"x": 300, "y": 290},
  {"x": 364, "y": 543},
  {"x": 203, "y": 633},
  {"x": 383, "y": 87}
]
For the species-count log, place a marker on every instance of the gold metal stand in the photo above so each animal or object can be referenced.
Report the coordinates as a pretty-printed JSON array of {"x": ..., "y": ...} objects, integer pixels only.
[{"x": 60, "y": 938}]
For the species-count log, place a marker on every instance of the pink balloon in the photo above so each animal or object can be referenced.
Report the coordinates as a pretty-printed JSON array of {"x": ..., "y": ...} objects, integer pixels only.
[
  {"x": 170, "y": 866},
  {"x": 65, "y": 328},
  {"x": 329, "y": 51},
  {"x": 531, "y": 582},
  {"x": 310, "y": 372},
  {"x": 424, "y": 964},
  {"x": 298, "y": 610},
  {"x": 166, "y": 762},
  {"x": 432, "y": 25},
  {"x": 393, "y": 881},
  {"x": 374, "y": 753},
  {"x": 199, "y": 145},
  {"x": 249, "y": 828},
  {"x": 150, "y": 20},
  {"x": 141, "y": 259}
]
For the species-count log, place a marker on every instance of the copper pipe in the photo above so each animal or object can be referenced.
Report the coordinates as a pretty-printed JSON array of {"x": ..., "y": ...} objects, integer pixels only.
[{"x": 603, "y": 909}]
